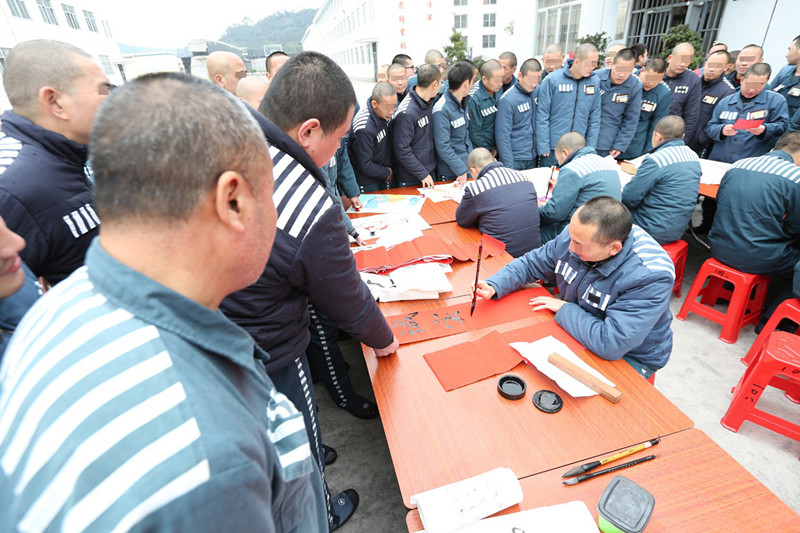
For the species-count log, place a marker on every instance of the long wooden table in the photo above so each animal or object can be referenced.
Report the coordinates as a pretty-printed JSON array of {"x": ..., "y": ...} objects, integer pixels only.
[{"x": 697, "y": 487}]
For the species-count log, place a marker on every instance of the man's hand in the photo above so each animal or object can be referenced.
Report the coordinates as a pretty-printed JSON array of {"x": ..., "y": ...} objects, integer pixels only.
[
  {"x": 360, "y": 240},
  {"x": 614, "y": 153},
  {"x": 461, "y": 180},
  {"x": 545, "y": 155},
  {"x": 484, "y": 290},
  {"x": 494, "y": 153},
  {"x": 392, "y": 348},
  {"x": 728, "y": 131},
  {"x": 758, "y": 131},
  {"x": 389, "y": 177},
  {"x": 546, "y": 302},
  {"x": 427, "y": 182},
  {"x": 356, "y": 203}
]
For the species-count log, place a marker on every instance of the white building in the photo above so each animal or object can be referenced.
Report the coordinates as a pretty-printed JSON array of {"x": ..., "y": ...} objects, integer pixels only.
[
  {"x": 80, "y": 23},
  {"x": 364, "y": 34}
]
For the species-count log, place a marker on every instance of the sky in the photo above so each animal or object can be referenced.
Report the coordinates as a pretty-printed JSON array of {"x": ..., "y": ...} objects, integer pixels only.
[{"x": 171, "y": 23}]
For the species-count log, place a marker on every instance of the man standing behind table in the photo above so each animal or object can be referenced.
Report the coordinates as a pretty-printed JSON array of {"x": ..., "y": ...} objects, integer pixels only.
[
  {"x": 553, "y": 59},
  {"x": 621, "y": 102},
  {"x": 251, "y": 90},
  {"x": 509, "y": 62},
  {"x": 655, "y": 106},
  {"x": 369, "y": 145},
  {"x": 685, "y": 88},
  {"x": 787, "y": 81},
  {"x": 583, "y": 175},
  {"x": 715, "y": 87},
  {"x": 758, "y": 217},
  {"x": 501, "y": 202},
  {"x": 569, "y": 100},
  {"x": 516, "y": 113},
  {"x": 663, "y": 193},
  {"x": 615, "y": 283},
  {"x": 753, "y": 102},
  {"x": 399, "y": 80},
  {"x": 640, "y": 51},
  {"x": 747, "y": 57},
  {"x": 129, "y": 402},
  {"x": 483, "y": 105},
  {"x": 412, "y": 131},
  {"x": 45, "y": 188},
  {"x": 308, "y": 109},
  {"x": 451, "y": 125},
  {"x": 611, "y": 53},
  {"x": 225, "y": 69}
]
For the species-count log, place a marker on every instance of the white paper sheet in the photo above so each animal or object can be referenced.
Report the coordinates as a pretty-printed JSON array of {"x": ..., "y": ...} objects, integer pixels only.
[
  {"x": 539, "y": 177},
  {"x": 375, "y": 225},
  {"x": 423, "y": 277},
  {"x": 713, "y": 171},
  {"x": 394, "y": 235},
  {"x": 537, "y": 352},
  {"x": 441, "y": 193},
  {"x": 452, "y": 506},
  {"x": 389, "y": 203},
  {"x": 571, "y": 517}
]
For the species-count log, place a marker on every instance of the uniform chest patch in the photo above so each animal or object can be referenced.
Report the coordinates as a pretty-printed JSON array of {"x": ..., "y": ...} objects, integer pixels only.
[
  {"x": 423, "y": 122},
  {"x": 457, "y": 123},
  {"x": 794, "y": 91},
  {"x": 757, "y": 114},
  {"x": 564, "y": 88},
  {"x": 710, "y": 100},
  {"x": 620, "y": 98},
  {"x": 525, "y": 106},
  {"x": 649, "y": 107},
  {"x": 728, "y": 115},
  {"x": 589, "y": 89},
  {"x": 681, "y": 89}
]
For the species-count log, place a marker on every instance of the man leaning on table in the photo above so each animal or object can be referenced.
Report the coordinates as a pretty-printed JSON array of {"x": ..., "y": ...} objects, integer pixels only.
[{"x": 615, "y": 282}]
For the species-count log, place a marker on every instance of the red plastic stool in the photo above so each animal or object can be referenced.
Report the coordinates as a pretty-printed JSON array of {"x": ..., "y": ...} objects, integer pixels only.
[
  {"x": 789, "y": 309},
  {"x": 746, "y": 299},
  {"x": 776, "y": 365},
  {"x": 677, "y": 251}
]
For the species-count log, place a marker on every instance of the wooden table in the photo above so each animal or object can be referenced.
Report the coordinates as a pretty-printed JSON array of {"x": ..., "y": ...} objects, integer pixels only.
[
  {"x": 697, "y": 487},
  {"x": 437, "y": 437},
  {"x": 709, "y": 191}
]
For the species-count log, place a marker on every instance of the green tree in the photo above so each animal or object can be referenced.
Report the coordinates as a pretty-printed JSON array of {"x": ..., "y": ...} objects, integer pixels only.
[
  {"x": 600, "y": 41},
  {"x": 682, "y": 33},
  {"x": 457, "y": 49}
]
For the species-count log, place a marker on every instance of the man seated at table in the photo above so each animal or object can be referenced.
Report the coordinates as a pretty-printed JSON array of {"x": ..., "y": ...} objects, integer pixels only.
[
  {"x": 368, "y": 144},
  {"x": 583, "y": 175},
  {"x": 501, "y": 202},
  {"x": 753, "y": 103},
  {"x": 663, "y": 193},
  {"x": 615, "y": 283},
  {"x": 758, "y": 217}
]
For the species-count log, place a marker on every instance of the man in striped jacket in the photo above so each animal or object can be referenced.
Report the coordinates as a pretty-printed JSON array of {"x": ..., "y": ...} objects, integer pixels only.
[
  {"x": 127, "y": 401},
  {"x": 45, "y": 188}
]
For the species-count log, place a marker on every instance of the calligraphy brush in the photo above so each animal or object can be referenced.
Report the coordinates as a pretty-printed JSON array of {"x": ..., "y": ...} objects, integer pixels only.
[
  {"x": 477, "y": 275},
  {"x": 550, "y": 183}
]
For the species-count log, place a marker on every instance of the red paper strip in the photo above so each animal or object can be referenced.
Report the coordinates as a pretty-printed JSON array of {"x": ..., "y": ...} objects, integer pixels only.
[
  {"x": 742, "y": 124},
  {"x": 450, "y": 320},
  {"x": 381, "y": 260}
]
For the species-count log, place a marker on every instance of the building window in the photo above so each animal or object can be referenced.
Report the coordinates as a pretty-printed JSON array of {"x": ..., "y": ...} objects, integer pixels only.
[
  {"x": 650, "y": 19},
  {"x": 459, "y": 2},
  {"x": 489, "y": 20},
  {"x": 105, "y": 62},
  {"x": 558, "y": 23},
  {"x": 460, "y": 21},
  {"x": 107, "y": 29},
  {"x": 18, "y": 9},
  {"x": 72, "y": 19},
  {"x": 3, "y": 55},
  {"x": 90, "y": 23},
  {"x": 488, "y": 41},
  {"x": 46, "y": 9}
]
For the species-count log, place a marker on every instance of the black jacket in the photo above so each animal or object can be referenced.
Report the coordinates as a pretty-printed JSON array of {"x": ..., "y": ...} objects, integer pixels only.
[
  {"x": 412, "y": 139},
  {"x": 369, "y": 146}
]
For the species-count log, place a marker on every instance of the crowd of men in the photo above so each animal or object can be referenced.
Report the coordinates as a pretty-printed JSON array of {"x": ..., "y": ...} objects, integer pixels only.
[{"x": 197, "y": 269}]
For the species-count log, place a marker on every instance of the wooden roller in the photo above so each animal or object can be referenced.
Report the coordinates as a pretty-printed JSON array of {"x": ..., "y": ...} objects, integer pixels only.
[{"x": 596, "y": 384}]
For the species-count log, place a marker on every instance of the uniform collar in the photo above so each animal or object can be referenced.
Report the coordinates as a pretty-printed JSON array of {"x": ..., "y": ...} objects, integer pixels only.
[
  {"x": 606, "y": 267},
  {"x": 586, "y": 150},
  {"x": 760, "y": 98},
  {"x": 462, "y": 104},
  {"x": 780, "y": 154},
  {"x": 671, "y": 142},
  {"x": 488, "y": 168},
  {"x": 21, "y": 128},
  {"x": 373, "y": 116},
  {"x": 168, "y": 310}
]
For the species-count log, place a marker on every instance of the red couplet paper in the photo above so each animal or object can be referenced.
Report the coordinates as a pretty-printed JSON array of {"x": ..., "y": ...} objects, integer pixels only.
[
  {"x": 490, "y": 355},
  {"x": 444, "y": 321},
  {"x": 742, "y": 124}
]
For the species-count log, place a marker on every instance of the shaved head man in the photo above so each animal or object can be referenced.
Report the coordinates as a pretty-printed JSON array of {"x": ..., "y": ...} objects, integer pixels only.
[
  {"x": 553, "y": 59},
  {"x": 251, "y": 90},
  {"x": 274, "y": 63},
  {"x": 749, "y": 55},
  {"x": 685, "y": 88},
  {"x": 225, "y": 69}
]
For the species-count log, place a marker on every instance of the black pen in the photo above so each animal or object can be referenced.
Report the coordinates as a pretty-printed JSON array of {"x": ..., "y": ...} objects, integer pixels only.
[{"x": 584, "y": 477}]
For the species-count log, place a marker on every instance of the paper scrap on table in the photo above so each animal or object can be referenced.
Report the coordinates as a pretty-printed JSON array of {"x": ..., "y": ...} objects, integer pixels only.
[
  {"x": 638, "y": 161},
  {"x": 389, "y": 203},
  {"x": 393, "y": 236},
  {"x": 416, "y": 282},
  {"x": 712, "y": 171},
  {"x": 537, "y": 352},
  {"x": 574, "y": 517},
  {"x": 452, "y": 506},
  {"x": 442, "y": 193},
  {"x": 742, "y": 124},
  {"x": 376, "y": 225}
]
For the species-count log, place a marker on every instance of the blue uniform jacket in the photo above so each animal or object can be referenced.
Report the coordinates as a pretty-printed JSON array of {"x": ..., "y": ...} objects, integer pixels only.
[
  {"x": 310, "y": 260},
  {"x": 758, "y": 215},
  {"x": 339, "y": 175},
  {"x": 412, "y": 139},
  {"x": 619, "y": 307},
  {"x": 14, "y": 306},
  {"x": 794, "y": 122},
  {"x": 655, "y": 106},
  {"x": 503, "y": 203},
  {"x": 451, "y": 135},
  {"x": 713, "y": 93},
  {"x": 620, "y": 108},
  {"x": 369, "y": 146},
  {"x": 46, "y": 196},
  {"x": 685, "y": 102},
  {"x": 516, "y": 113},
  {"x": 663, "y": 193},
  {"x": 583, "y": 176},
  {"x": 565, "y": 105},
  {"x": 766, "y": 105},
  {"x": 482, "y": 112},
  {"x": 787, "y": 85}
]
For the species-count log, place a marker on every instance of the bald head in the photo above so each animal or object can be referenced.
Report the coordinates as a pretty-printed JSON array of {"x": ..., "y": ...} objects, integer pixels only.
[
  {"x": 611, "y": 53},
  {"x": 568, "y": 144},
  {"x": 479, "y": 158},
  {"x": 670, "y": 127},
  {"x": 252, "y": 90},
  {"x": 432, "y": 55},
  {"x": 680, "y": 59},
  {"x": 225, "y": 69}
]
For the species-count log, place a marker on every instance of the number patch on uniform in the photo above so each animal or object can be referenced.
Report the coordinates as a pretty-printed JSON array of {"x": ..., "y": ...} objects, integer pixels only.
[
  {"x": 757, "y": 115},
  {"x": 795, "y": 91},
  {"x": 620, "y": 98},
  {"x": 649, "y": 107},
  {"x": 682, "y": 89},
  {"x": 589, "y": 89},
  {"x": 710, "y": 100}
]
